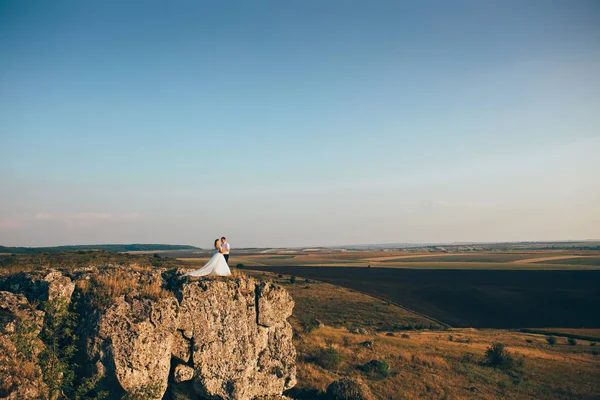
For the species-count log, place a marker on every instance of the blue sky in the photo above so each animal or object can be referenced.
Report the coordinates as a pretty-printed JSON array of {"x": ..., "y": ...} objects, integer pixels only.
[{"x": 299, "y": 123}]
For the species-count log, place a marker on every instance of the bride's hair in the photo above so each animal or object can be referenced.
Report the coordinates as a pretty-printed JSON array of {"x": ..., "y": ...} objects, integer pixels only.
[{"x": 217, "y": 243}]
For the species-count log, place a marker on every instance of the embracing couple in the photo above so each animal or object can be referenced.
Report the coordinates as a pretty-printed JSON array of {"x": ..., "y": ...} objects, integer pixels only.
[{"x": 217, "y": 265}]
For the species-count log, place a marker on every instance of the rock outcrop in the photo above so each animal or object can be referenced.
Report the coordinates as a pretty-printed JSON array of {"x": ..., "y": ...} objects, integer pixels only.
[
  {"x": 241, "y": 342},
  {"x": 41, "y": 287},
  {"x": 225, "y": 338},
  {"x": 133, "y": 341},
  {"x": 20, "y": 325}
]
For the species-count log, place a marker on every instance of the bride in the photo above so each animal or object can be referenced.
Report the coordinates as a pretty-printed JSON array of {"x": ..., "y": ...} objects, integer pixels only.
[{"x": 215, "y": 266}]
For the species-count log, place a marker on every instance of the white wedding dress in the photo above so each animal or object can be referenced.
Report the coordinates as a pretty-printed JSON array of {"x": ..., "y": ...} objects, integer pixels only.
[{"x": 215, "y": 266}]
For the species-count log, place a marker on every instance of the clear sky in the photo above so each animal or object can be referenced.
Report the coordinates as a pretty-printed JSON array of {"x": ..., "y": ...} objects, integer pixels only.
[{"x": 292, "y": 123}]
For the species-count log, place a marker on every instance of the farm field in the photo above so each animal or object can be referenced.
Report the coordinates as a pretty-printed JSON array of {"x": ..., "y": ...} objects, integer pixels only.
[
  {"x": 518, "y": 260},
  {"x": 476, "y": 298}
]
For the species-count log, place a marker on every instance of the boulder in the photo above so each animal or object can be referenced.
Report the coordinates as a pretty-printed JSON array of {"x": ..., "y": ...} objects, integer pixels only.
[
  {"x": 183, "y": 373},
  {"x": 59, "y": 286}
]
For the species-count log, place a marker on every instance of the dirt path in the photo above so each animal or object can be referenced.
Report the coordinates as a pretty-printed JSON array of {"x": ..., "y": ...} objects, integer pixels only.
[{"x": 540, "y": 259}]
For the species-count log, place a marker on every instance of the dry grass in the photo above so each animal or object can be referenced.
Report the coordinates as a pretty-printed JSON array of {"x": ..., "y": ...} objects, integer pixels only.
[
  {"x": 428, "y": 365},
  {"x": 101, "y": 289}
]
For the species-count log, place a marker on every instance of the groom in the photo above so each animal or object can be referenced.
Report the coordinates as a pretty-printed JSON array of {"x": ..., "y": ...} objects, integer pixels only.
[{"x": 225, "y": 246}]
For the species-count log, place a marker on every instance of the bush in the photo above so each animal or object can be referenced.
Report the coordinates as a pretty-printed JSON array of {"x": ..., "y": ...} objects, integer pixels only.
[
  {"x": 348, "y": 389},
  {"x": 329, "y": 358},
  {"x": 496, "y": 356},
  {"x": 551, "y": 340},
  {"x": 451, "y": 338},
  {"x": 529, "y": 340},
  {"x": 240, "y": 266},
  {"x": 376, "y": 368},
  {"x": 292, "y": 279},
  {"x": 59, "y": 339},
  {"x": 572, "y": 341},
  {"x": 593, "y": 344},
  {"x": 405, "y": 336}
]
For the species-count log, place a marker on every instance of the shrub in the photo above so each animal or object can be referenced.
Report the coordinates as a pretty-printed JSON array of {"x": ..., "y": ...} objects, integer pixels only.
[
  {"x": 346, "y": 341},
  {"x": 240, "y": 266},
  {"x": 593, "y": 344},
  {"x": 280, "y": 276},
  {"x": 379, "y": 368},
  {"x": 145, "y": 392},
  {"x": 309, "y": 326},
  {"x": 551, "y": 340},
  {"x": 468, "y": 358},
  {"x": 329, "y": 358},
  {"x": 348, "y": 389},
  {"x": 497, "y": 356},
  {"x": 529, "y": 340},
  {"x": 292, "y": 279},
  {"x": 572, "y": 341},
  {"x": 59, "y": 339},
  {"x": 405, "y": 336},
  {"x": 451, "y": 338}
]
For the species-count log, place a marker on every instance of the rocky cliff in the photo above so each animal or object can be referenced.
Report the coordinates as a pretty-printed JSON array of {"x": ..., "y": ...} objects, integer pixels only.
[{"x": 146, "y": 334}]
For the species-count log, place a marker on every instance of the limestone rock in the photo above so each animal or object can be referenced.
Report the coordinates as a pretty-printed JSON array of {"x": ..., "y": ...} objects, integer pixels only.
[
  {"x": 20, "y": 325},
  {"x": 59, "y": 286},
  {"x": 234, "y": 356},
  {"x": 274, "y": 304},
  {"x": 41, "y": 287},
  {"x": 224, "y": 338},
  {"x": 182, "y": 347},
  {"x": 134, "y": 340},
  {"x": 183, "y": 373}
]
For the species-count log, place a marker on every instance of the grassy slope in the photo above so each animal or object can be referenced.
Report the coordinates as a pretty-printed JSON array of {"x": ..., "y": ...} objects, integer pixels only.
[{"x": 428, "y": 365}]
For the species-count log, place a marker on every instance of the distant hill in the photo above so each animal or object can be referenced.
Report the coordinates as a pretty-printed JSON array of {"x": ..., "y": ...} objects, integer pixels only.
[{"x": 108, "y": 247}]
